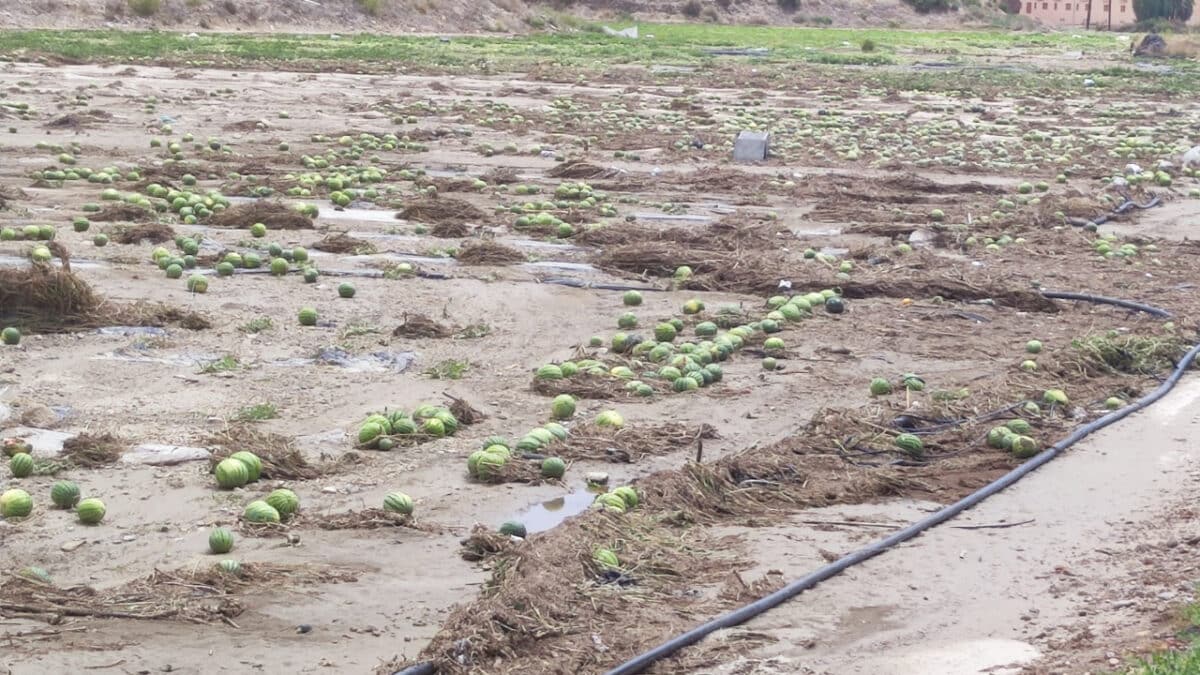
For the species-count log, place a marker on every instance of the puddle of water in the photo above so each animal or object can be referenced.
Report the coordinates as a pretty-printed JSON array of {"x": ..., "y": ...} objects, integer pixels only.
[
  {"x": 403, "y": 257},
  {"x": 136, "y": 355},
  {"x": 376, "y": 362},
  {"x": 359, "y": 215},
  {"x": 567, "y": 266},
  {"x": 129, "y": 331},
  {"x": 674, "y": 217},
  {"x": 549, "y": 514},
  {"x": 18, "y": 261}
]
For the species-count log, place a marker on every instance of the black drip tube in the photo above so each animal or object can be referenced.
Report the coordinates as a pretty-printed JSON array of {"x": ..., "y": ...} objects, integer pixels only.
[{"x": 752, "y": 610}]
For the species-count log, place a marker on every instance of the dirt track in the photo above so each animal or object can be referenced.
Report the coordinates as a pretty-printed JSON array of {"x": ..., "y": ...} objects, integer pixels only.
[{"x": 152, "y": 389}]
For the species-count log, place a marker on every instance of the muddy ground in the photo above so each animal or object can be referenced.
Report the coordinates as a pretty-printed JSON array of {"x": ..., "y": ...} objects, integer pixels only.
[{"x": 799, "y": 444}]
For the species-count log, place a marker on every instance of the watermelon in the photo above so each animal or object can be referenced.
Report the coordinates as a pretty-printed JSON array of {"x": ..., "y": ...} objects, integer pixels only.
[
  {"x": 620, "y": 343},
  {"x": 15, "y": 503},
  {"x": 610, "y": 418},
  {"x": 1055, "y": 396},
  {"x": 632, "y": 298},
  {"x": 553, "y": 467},
  {"x": 529, "y": 443},
  {"x": 1024, "y": 446},
  {"x": 310, "y": 275},
  {"x": 610, "y": 502},
  {"x": 606, "y": 559},
  {"x": 627, "y": 321},
  {"x": 21, "y": 465},
  {"x": 770, "y": 326},
  {"x": 693, "y": 306},
  {"x": 10, "y": 336},
  {"x": 403, "y": 427},
  {"x": 448, "y": 420},
  {"x": 880, "y": 387},
  {"x": 543, "y": 436},
  {"x": 473, "y": 462},
  {"x": 424, "y": 411},
  {"x": 346, "y": 290},
  {"x": 279, "y": 267},
  {"x": 495, "y": 440},
  {"x": 769, "y": 363},
  {"x": 252, "y": 462},
  {"x": 568, "y": 368},
  {"x": 1112, "y": 403},
  {"x": 557, "y": 430},
  {"x": 231, "y": 567},
  {"x": 369, "y": 433},
  {"x": 996, "y": 436},
  {"x": 1019, "y": 426},
  {"x": 220, "y": 541},
  {"x": 513, "y": 528},
  {"x": 910, "y": 444},
  {"x": 35, "y": 574},
  {"x": 628, "y": 494},
  {"x": 549, "y": 372},
  {"x": 490, "y": 465},
  {"x": 232, "y": 473},
  {"x": 433, "y": 427},
  {"x": 1033, "y": 346},
  {"x": 706, "y": 329},
  {"x": 64, "y": 494},
  {"x": 284, "y": 501},
  {"x": 912, "y": 382},
  {"x": 834, "y": 305},
  {"x": 773, "y": 344},
  {"x": 259, "y": 511},
  {"x": 308, "y": 316},
  {"x": 90, "y": 511},
  {"x": 398, "y": 502}
]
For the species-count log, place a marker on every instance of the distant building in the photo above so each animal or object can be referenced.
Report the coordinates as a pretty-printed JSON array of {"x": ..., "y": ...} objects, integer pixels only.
[{"x": 1075, "y": 12}]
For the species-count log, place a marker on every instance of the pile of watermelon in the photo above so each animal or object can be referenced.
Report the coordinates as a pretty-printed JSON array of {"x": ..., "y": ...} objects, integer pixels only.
[
  {"x": 618, "y": 500},
  {"x": 383, "y": 431},
  {"x": 237, "y": 470},
  {"x": 488, "y": 463}
]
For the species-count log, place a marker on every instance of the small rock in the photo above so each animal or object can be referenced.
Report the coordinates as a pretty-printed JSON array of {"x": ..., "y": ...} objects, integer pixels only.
[
  {"x": 72, "y": 545},
  {"x": 597, "y": 478},
  {"x": 1167, "y": 595},
  {"x": 303, "y": 628}
]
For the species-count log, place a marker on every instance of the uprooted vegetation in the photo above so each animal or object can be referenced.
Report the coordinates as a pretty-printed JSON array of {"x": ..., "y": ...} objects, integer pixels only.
[{"x": 275, "y": 215}]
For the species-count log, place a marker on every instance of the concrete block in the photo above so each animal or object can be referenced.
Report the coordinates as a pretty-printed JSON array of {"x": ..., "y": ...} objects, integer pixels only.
[{"x": 751, "y": 146}]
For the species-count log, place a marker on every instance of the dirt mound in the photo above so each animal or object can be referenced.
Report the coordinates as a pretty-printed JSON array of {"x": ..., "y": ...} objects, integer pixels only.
[
  {"x": 442, "y": 210},
  {"x": 488, "y": 252},
  {"x": 191, "y": 594},
  {"x": 89, "y": 450},
  {"x": 340, "y": 242},
  {"x": 155, "y": 233},
  {"x": 417, "y": 325},
  {"x": 121, "y": 212},
  {"x": 275, "y": 215},
  {"x": 79, "y": 120},
  {"x": 631, "y": 444}
]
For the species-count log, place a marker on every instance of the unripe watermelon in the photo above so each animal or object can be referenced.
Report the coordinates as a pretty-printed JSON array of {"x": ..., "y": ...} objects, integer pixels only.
[
  {"x": 773, "y": 344},
  {"x": 995, "y": 436},
  {"x": 568, "y": 368},
  {"x": 628, "y": 494},
  {"x": 910, "y": 444},
  {"x": 220, "y": 541},
  {"x": 404, "y": 426},
  {"x": 529, "y": 443},
  {"x": 549, "y": 372},
  {"x": 21, "y": 465},
  {"x": 611, "y": 501},
  {"x": 252, "y": 462},
  {"x": 543, "y": 435},
  {"x": 368, "y": 433},
  {"x": 1024, "y": 447},
  {"x": 232, "y": 473},
  {"x": 259, "y": 511},
  {"x": 610, "y": 418},
  {"x": 627, "y": 321},
  {"x": 490, "y": 465},
  {"x": 230, "y": 567},
  {"x": 553, "y": 467},
  {"x": 448, "y": 420},
  {"x": 563, "y": 406},
  {"x": 632, "y": 298},
  {"x": 64, "y": 494},
  {"x": 433, "y": 427},
  {"x": 513, "y": 529},
  {"x": 557, "y": 430},
  {"x": 15, "y": 504},
  {"x": 398, "y": 502},
  {"x": 1019, "y": 426},
  {"x": 706, "y": 329},
  {"x": 606, "y": 558},
  {"x": 308, "y": 316},
  {"x": 284, "y": 501},
  {"x": 1055, "y": 396},
  {"x": 880, "y": 387},
  {"x": 90, "y": 511}
]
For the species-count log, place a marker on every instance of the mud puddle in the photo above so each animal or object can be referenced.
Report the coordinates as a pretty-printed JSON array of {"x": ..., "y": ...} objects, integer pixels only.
[{"x": 549, "y": 514}]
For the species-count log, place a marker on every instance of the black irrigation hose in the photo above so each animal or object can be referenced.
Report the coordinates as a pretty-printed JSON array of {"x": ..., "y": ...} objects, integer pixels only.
[
  {"x": 1100, "y": 220},
  {"x": 1101, "y": 300},
  {"x": 747, "y": 612}
]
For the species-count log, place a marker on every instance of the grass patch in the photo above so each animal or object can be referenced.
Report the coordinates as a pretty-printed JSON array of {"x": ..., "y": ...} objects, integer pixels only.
[
  {"x": 224, "y": 364},
  {"x": 1128, "y": 354},
  {"x": 357, "y": 329},
  {"x": 474, "y": 331},
  {"x": 257, "y": 325},
  {"x": 258, "y": 412},
  {"x": 450, "y": 369},
  {"x": 1181, "y": 662}
]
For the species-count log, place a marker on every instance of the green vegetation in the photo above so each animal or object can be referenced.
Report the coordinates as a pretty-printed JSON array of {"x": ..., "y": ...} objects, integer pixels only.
[
  {"x": 145, "y": 8},
  {"x": 1183, "y": 662},
  {"x": 450, "y": 369},
  {"x": 256, "y": 325},
  {"x": 257, "y": 413},
  {"x": 222, "y": 365}
]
